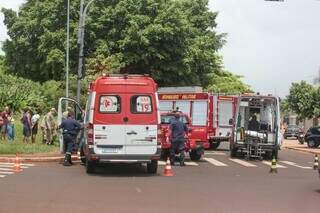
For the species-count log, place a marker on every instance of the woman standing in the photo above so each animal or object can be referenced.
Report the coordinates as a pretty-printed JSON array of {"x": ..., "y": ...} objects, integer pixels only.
[
  {"x": 26, "y": 121},
  {"x": 34, "y": 125}
]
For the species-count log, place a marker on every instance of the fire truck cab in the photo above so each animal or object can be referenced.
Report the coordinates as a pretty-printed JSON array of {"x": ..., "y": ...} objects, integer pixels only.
[
  {"x": 121, "y": 122},
  {"x": 195, "y": 149}
]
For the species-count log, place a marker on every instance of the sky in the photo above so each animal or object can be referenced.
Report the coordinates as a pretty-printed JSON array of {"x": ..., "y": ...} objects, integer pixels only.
[{"x": 270, "y": 44}]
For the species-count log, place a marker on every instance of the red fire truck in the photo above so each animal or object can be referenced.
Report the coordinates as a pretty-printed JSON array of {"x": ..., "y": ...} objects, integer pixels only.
[{"x": 210, "y": 113}]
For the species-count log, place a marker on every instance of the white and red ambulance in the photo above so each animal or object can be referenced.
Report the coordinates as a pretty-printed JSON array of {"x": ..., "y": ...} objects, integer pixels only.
[{"x": 121, "y": 121}]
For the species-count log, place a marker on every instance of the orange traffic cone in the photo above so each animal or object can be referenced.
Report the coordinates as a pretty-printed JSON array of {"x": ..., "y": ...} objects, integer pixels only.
[
  {"x": 167, "y": 169},
  {"x": 17, "y": 166}
]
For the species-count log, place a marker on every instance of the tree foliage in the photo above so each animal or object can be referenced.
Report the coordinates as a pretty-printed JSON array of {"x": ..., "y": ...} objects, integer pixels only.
[
  {"x": 303, "y": 99},
  {"x": 226, "y": 82},
  {"x": 173, "y": 40}
]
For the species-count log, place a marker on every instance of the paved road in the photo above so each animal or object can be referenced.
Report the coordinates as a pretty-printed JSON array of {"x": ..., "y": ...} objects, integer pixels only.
[{"x": 216, "y": 184}]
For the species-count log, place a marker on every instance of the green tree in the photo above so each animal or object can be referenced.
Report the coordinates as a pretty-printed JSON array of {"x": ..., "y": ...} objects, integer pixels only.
[
  {"x": 301, "y": 99},
  {"x": 226, "y": 82},
  {"x": 174, "y": 41}
]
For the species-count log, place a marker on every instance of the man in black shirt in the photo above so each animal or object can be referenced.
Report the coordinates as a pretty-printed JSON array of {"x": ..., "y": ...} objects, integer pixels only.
[
  {"x": 70, "y": 129},
  {"x": 254, "y": 125},
  {"x": 178, "y": 131}
]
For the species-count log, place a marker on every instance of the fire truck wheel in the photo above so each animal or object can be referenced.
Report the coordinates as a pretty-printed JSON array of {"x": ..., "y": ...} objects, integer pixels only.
[
  {"x": 214, "y": 145},
  {"x": 152, "y": 167},
  {"x": 233, "y": 152},
  {"x": 194, "y": 155},
  {"x": 90, "y": 167}
]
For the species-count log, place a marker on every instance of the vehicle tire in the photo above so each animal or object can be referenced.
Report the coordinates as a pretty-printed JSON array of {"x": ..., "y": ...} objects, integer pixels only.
[
  {"x": 82, "y": 156},
  {"x": 90, "y": 167},
  {"x": 214, "y": 146},
  {"x": 152, "y": 167},
  {"x": 233, "y": 152},
  {"x": 311, "y": 143},
  {"x": 195, "y": 155}
]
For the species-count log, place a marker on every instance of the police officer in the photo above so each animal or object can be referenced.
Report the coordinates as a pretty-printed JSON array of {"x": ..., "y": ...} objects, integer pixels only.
[
  {"x": 70, "y": 129},
  {"x": 178, "y": 130}
]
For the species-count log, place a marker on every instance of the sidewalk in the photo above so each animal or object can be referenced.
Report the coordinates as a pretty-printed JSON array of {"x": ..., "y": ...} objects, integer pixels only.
[
  {"x": 41, "y": 157},
  {"x": 295, "y": 145}
]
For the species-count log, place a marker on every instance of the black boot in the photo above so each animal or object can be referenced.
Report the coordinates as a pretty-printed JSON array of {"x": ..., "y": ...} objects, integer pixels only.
[
  {"x": 70, "y": 159},
  {"x": 66, "y": 161}
]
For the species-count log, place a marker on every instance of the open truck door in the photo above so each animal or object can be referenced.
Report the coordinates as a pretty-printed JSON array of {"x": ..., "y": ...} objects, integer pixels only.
[{"x": 69, "y": 106}]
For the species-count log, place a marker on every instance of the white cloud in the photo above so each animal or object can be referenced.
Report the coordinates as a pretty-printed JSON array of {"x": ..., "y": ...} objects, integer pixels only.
[{"x": 271, "y": 43}]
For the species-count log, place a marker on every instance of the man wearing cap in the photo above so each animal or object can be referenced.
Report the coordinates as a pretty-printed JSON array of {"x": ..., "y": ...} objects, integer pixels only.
[
  {"x": 70, "y": 129},
  {"x": 48, "y": 126},
  {"x": 178, "y": 131}
]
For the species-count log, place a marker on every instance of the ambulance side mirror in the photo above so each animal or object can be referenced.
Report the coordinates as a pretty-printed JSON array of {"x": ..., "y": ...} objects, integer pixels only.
[{"x": 231, "y": 121}]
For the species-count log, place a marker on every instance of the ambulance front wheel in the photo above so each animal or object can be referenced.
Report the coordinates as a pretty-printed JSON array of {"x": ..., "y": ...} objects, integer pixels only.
[
  {"x": 152, "y": 167},
  {"x": 90, "y": 167},
  {"x": 195, "y": 155}
]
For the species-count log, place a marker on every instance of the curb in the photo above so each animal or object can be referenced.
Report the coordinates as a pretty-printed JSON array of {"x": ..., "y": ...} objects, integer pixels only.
[
  {"x": 25, "y": 159},
  {"x": 303, "y": 150}
]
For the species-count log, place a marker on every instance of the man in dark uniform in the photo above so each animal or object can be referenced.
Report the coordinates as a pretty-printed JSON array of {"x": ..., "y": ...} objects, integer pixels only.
[
  {"x": 70, "y": 129},
  {"x": 178, "y": 131},
  {"x": 254, "y": 125}
]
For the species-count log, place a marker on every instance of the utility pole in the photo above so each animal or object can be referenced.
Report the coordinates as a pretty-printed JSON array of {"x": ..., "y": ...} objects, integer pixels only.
[
  {"x": 83, "y": 12},
  {"x": 67, "y": 49}
]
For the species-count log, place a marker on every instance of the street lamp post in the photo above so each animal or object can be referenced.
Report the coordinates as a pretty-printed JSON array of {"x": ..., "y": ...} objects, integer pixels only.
[
  {"x": 83, "y": 12},
  {"x": 67, "y": 49}
]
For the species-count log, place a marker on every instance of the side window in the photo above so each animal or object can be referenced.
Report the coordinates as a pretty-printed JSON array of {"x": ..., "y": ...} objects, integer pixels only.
[
  {"x": 141, "y": 104},
  {"x": 110, "y": 104}
]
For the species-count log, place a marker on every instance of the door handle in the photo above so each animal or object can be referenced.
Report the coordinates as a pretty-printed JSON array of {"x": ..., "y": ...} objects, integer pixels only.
[{"x": 132, "y": 133}]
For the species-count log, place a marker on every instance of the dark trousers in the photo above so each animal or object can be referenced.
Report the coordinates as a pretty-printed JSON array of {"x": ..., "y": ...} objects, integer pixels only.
[
  {"x": 68, "y": 141},
  {"x": 177, "y": 146}
]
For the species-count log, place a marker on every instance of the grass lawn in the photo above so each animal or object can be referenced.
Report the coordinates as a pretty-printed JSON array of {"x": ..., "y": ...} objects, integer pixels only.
[{"x": 17, "y": 146}]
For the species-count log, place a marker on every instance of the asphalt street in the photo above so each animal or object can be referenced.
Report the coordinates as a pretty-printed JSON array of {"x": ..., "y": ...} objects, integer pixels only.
[{"x": 215, "y": 184}]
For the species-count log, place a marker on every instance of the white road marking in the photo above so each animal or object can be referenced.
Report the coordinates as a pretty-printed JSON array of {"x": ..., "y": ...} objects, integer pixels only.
[
  {"x": 7, "y": 173},
  {"x": 138, "y": 190},
  {"x": 23, "y": 164},
  {"x": 242, "y": 162},
  {"x": 5, "y": 169},
  {"x": 278, "y": 165},
  {"x": 2, "y": 176},
  {"x": 163, "y": 163},
  {"x": 214, "y": 162},
  {"x": 11, "y": 166},
  {"x": 191, "y": 164},
  {"x": 295, "y": 165},
  {"x": 214, "y": 153}
]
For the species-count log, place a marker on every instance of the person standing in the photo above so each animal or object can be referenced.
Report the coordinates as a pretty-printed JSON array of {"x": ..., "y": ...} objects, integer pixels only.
[
  {"x": 70, "y": 129},
  {"x": 48, "y": 127},
  {"x": 26, "y": 121},
  {"x": 178, "y": 131},
  {"x": 4, "y": 128},
  {"x": 10, "y": 127},
  {"x": 34, "y": 125}
]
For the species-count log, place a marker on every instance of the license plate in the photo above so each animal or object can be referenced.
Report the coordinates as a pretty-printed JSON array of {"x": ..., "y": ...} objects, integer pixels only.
[{"x": 110, "y": 150}]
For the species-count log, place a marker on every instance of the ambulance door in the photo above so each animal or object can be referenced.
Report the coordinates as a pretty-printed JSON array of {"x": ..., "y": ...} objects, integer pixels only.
[
  {"x": 109, "y": 124},
  {"x": 141, "y": 128},
  {"x": 70, "y": 107},
  {"x": 225, "y": 114}
]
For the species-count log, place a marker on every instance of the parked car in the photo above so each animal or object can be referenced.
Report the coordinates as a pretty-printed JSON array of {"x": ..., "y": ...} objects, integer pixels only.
[
  {"x": 293, "y": 131},
  {"x": 312, "y": 137}
]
